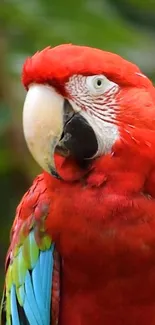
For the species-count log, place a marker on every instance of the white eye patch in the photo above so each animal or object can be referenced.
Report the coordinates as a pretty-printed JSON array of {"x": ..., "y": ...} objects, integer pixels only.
[{"x": 99, "y": 84}]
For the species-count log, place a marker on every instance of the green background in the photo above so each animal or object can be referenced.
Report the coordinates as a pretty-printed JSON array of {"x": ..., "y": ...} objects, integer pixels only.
[{"x": 126, "y": 27}]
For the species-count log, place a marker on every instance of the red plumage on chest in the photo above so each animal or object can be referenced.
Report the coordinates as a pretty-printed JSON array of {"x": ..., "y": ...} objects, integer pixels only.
[{"x": 104, "y": 229}]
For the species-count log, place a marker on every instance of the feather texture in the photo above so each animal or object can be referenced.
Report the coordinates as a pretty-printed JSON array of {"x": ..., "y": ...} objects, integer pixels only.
[{"x": 27, "y": 297}]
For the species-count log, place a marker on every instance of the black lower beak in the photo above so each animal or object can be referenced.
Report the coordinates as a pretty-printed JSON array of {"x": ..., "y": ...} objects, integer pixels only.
[{"x": 78, "y": 139}]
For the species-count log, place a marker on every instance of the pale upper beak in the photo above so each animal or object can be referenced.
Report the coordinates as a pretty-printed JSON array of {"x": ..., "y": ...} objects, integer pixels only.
[
  {"x": 54, "y": 124},
  {"x": 43, "y": 124}
]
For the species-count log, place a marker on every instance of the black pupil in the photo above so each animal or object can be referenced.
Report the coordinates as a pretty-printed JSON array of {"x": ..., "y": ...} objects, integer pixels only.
[{"x": 99, "y": 82}]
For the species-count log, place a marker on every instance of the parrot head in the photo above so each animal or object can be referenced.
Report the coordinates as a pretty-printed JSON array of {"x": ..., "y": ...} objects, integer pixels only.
[{"x": 81, "y": 102}]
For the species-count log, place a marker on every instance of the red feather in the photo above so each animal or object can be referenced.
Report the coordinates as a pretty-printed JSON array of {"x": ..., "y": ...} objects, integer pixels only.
[{"x": 55, "y": 65}]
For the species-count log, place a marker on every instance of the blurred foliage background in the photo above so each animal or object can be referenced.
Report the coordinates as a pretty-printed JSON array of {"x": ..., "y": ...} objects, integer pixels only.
[{"x": 126, "y": 27}]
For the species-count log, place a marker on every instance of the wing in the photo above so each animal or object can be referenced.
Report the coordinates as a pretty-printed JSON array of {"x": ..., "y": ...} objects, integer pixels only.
[{"x": 31, "y": 293}]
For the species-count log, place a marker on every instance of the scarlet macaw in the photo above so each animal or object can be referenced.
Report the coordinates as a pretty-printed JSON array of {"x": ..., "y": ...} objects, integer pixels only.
[{"x": 82, "y": 246}]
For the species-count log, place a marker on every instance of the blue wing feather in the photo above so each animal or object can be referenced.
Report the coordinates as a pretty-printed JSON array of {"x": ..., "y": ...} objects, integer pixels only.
[
  {"x": 36, "y": 278},
  {"x": 29, "y": 314},
  {"x": 49, "y": 266},
  {"x": 14, "y": 310},
  {"x": 30, "y": 298},
  {"x": 41, "y": 304},
  {"x": 35, "y": 292}
]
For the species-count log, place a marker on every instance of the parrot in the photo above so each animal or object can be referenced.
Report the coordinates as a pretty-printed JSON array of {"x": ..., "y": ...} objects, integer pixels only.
[{"x": 82, "y": 247}]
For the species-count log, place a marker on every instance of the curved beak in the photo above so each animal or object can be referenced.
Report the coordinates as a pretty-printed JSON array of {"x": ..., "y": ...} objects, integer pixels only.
[{"x": 43, "y": 124}]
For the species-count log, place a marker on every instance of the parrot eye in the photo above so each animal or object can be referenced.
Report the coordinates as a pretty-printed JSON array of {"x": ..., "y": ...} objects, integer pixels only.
[{"x": 98, "y": 84}]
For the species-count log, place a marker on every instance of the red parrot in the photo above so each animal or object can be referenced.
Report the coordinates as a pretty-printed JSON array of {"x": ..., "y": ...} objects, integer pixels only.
[{"x": 82, "y": 246}]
